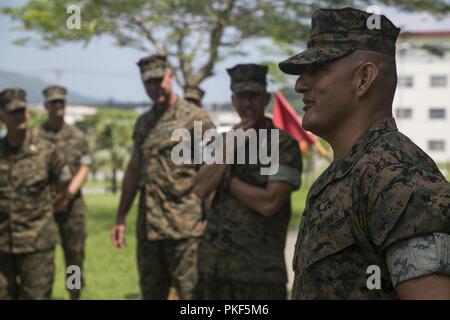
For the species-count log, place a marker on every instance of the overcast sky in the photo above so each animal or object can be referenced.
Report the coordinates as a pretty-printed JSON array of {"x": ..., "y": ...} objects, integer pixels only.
[{"x": 105, "y": 71}]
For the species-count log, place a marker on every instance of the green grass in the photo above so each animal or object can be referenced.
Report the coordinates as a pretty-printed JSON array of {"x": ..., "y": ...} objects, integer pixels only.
[
  {"x": 110, "y": 273},
  {"x": 96, "y": 184}
]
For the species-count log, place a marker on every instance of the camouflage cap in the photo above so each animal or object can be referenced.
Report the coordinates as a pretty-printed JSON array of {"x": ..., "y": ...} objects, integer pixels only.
[
  {"x": 153, "y": 66},
  {"x": 193, "y": 92},
  {"x": 12, "y": 99},
  {"x": 53, "y": 93},
  {"x": 338, "y": 32},
  {"x": 248, "y": 77}
]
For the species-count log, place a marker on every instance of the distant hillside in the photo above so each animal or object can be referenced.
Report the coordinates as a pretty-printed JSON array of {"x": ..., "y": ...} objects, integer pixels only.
[{"x": 34, "y": 86}]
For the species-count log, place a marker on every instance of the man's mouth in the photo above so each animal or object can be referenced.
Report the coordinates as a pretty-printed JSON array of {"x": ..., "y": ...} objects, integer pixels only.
[{"x": 308, "y": 104}]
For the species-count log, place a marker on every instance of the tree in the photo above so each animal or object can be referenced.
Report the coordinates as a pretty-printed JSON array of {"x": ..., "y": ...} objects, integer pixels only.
[
  {"x": 194, "y": 34},
  {"x": 37, "y": 118},
  {"x": 109, "y": 135}
]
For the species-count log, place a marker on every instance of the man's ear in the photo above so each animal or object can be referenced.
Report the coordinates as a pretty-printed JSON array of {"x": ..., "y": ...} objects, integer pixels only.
[
  {"x": 366, "y": 74},
  {"x": 46, "y": 105}
]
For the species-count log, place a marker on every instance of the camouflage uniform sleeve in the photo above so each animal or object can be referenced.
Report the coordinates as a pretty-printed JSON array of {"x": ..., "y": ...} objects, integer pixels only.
[
  {"x": 59, "y": 171},
  {"x": 206, "y": 120},
  {"x": 290, "y": 162},
  {"x": 405, "y": 202},
  {"x": 138, "y": 138},
  {"x": 207, "y": 124},
  {"x": 85, "y": 156},
  {"x": 419, "y": 256}
]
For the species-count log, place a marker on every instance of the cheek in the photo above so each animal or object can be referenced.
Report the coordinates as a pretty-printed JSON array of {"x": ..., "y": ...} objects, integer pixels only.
[
  {"x": 238, "y": 108},
  {"x": 237, "y": 105},
  {"x": 148, "y": 88},
  {"x": 331, "y": 95},
  {"x": 259, "y": 107}
]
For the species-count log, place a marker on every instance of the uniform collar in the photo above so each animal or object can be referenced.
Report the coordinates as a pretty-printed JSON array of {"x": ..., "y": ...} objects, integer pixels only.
[
  {"x": 46, "y": 127},
  {"x": 340, "y": 168},
  {"x": 26, "y": 149}
]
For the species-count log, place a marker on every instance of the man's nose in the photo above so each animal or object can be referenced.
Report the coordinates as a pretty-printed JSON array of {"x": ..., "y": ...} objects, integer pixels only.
[
  {"x": 301, "y": 85},
  {"x": 247, "y": 102}
]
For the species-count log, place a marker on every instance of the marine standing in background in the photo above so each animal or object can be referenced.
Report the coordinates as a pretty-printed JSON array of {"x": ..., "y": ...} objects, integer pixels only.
[
  {"x": 241, "y": 255},
  {"x": 72, "y": 145},
  {"x": 29, "y": 169},
  {"x": 170, "y": 219}
]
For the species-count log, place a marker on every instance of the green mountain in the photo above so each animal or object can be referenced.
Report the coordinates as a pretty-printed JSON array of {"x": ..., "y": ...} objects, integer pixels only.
[{"x": 33, "y": 85}]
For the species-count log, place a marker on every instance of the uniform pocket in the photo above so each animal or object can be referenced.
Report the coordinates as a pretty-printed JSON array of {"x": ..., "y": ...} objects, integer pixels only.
[
  {"x": 325, "y": 241},
  {"x": 4, "y": 175}
]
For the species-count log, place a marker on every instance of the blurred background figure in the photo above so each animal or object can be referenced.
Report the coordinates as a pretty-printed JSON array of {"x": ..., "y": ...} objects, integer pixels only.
[
  {"x": 29, "y": 170},
  {"x": 194, "y": 94},
  {"x": 72, "y": 145}
]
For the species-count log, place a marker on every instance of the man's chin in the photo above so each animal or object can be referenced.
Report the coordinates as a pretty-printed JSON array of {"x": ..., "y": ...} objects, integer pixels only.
[
  {"x": 310, "y": 125},
  {"x": 160, "y": 100},
  {"x": 250, "y": 118}
]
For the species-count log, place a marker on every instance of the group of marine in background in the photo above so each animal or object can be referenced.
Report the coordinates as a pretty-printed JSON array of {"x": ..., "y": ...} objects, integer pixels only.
[{"x": 218, "y": 230}]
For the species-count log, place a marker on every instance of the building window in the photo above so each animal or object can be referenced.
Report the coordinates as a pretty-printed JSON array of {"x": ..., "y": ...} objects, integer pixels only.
[
  {"x": 405, "y": 81},
  {"x": 436, "y": 145},
  {"x": 404, "y": 113},
  {"x": 438, "y": 81},
  {"x": 437, "y": 113}
]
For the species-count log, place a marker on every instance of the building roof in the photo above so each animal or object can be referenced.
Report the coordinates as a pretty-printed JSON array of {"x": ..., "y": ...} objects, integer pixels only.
[{"x": 426, "y": 34}]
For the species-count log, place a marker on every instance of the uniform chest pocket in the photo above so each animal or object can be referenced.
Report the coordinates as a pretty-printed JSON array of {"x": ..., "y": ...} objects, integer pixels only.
[
  {"x": 319, "y": 239},
  {"x": 4, "y": 175},
  {"x": 29, "y": 177},
  {"x": 160, "y": 142}
]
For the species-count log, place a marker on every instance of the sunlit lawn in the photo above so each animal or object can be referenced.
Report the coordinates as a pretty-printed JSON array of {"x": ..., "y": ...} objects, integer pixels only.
[{"x": 111, "y": 273}]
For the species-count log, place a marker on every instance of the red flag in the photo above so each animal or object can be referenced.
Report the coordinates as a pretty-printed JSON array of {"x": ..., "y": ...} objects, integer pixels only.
[{"x": 285, "y": 118}]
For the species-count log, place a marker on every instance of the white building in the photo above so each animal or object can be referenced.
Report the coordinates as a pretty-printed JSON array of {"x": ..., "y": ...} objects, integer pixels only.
[
  {"x": 73, "y": 113},
  {"x": 224, "y": 120},
  {"x": 422, "y": 99}
]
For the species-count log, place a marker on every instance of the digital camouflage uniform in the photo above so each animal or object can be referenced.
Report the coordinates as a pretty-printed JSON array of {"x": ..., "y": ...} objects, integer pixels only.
[
  {"x": 170, "y": 218},
  {"x": 385, "y": 204},
  {"x": 28, "y": 231},
  {"x": 72, "y": 145},
  {"x": 384, "y": 191},
  {"x": 241, "y": 255},
  {"x": 194, "y": 94}
]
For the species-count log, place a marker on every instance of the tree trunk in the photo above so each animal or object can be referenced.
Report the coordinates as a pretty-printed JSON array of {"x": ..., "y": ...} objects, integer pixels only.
[{"x": 114, "y": 181}]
